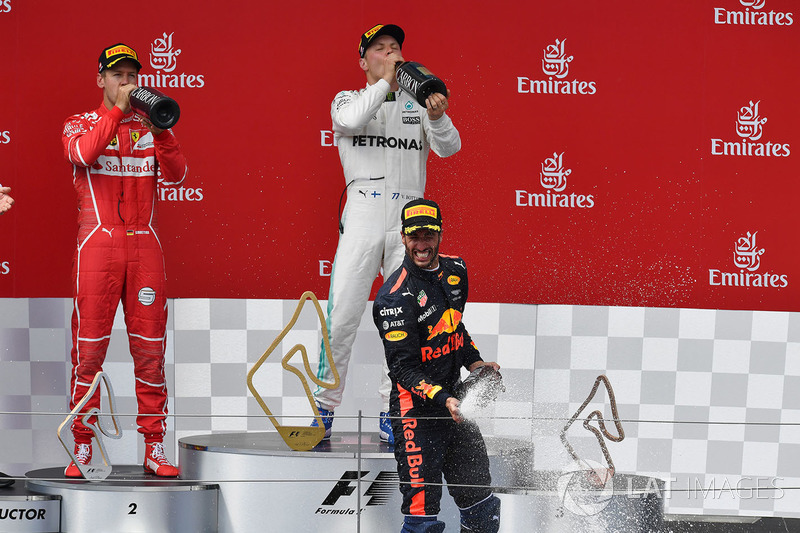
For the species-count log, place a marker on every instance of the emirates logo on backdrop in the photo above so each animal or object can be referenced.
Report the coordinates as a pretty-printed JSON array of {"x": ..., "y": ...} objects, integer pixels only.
[
  {"x": 164, "y": 59},
  {"x": 553, "y": 179},
  {"x": 756, "y": 17},
  {"x": 746, "y": 254},
  {"x": 553, "y": 176},
  {"x": 555, "y": 62},
  {"x": 750, "y": 129},
  {"x": 747, "y": 258},
  {"x": 163, "y": 55},
  {"x": 555, "y": 65},
  {"x": 749, "y": 122}
]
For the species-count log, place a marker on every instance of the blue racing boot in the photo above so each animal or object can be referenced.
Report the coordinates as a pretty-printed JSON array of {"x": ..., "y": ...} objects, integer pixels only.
[
  {"x": 483, "y": 517},
  {"x": 385, "y": 427},
  {"x": 422, "y": 524},
  {"x": 327, "y": 421}
]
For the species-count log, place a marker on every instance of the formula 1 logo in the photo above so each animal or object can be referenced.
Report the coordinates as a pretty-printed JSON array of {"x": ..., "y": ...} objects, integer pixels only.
[
  {"x": 555, "y": 62},
  {"x": 379, "y": 491}
]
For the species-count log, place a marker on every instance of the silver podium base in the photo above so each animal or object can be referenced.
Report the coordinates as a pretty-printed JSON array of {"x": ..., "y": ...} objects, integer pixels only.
[
  {"x": 129, "y": 501},
  {"x": 22, "y": 510},
  {"x": 346, "y": 486}
]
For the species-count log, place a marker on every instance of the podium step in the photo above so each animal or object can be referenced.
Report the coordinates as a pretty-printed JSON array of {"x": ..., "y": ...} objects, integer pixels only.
[
  {"x": 129, "y": 501},
  {"x": 22, "y": 510}
]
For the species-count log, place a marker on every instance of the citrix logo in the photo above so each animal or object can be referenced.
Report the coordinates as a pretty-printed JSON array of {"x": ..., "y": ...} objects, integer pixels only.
[
  {"x": 5, "y": 136},
  {"x": 5, "y": 6}
]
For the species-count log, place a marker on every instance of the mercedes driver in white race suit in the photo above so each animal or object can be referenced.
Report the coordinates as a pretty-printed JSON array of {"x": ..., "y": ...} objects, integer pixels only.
[{"x": 384, "y": 137}]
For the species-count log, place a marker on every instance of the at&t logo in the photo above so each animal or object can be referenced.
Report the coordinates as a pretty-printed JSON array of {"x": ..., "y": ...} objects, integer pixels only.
[
  {"x": 555, "y": 64},
  {"x": 553, "y": 179},
  {"x": 752, "y": 18},
  {"x": 749, "y": 128},
  {"x": 747, "y": 258},
  {"x": 164, "y": 58}
]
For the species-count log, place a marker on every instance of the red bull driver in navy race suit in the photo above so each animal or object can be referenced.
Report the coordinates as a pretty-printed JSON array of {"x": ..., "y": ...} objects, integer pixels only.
[{"x": 418, "y": 315}]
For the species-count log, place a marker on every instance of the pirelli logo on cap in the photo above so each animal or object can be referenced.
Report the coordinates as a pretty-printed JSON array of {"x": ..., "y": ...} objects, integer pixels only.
[
  {"x": 370, "y": 32},
  {"x": 395, "y": 336},
  {"x": 421, "y": 210},
  {"x": 121, "y": 50}
]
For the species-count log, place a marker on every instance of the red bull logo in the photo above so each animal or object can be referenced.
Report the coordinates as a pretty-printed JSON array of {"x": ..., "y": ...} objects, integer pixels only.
[
  {"x": 454, "y": 342},
  {"x": 415, "y": 460},
  {"x": 447, "y": 323},
  {"x": 426, "y": 389}
]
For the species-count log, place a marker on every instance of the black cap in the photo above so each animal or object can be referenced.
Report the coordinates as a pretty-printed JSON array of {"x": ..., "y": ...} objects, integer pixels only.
[
  {"x": 419, "y": 214},
  {"x": 375, "y": 32},
  {"x": 116, "y": 53}
]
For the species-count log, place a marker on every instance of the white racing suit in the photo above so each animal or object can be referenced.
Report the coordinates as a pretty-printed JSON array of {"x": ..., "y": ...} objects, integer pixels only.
[{"x": 384, "y": 138}]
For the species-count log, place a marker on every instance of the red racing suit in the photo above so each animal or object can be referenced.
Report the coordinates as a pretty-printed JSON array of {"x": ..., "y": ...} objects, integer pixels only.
[{"x": 117, "y": 163}]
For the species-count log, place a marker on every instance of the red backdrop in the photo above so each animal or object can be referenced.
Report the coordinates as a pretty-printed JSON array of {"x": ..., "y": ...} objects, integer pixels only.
[{"x": 652, "y": 207}]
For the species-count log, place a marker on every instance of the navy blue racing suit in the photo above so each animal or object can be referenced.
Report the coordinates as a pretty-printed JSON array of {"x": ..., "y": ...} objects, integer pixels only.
[{"x": 418, "y": 314}]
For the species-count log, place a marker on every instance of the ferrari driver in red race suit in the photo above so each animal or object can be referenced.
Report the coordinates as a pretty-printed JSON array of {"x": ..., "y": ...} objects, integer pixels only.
[
  {"x": 418, "y": 315},
  {"x": 118, "y": 158},
  {"x": 384, "y": 138}
]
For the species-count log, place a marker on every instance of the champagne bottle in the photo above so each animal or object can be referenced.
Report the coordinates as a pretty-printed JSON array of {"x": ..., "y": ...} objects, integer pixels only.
[
  {"x": 162, "y": 110},
  {"x": 419, "y": 81}
]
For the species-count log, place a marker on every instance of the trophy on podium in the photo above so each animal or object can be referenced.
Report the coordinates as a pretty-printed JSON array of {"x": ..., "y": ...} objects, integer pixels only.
[
  {"x": 419, "y": 81},
  {"x": 91, "y": 419},
  {"x": 162, "y": 110}
]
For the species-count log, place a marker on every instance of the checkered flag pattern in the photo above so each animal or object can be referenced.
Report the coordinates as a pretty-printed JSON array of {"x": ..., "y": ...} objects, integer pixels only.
[{"x": 709, "y": 399}]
